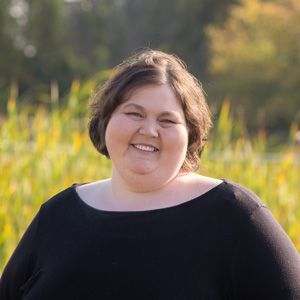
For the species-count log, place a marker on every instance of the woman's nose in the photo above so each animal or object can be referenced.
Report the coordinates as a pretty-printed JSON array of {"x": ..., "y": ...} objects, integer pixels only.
[{"x": 149, "y": 128}]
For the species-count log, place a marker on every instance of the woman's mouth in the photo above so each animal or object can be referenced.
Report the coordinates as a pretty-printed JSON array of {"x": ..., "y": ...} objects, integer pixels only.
[{"x": 146, "y": 148}]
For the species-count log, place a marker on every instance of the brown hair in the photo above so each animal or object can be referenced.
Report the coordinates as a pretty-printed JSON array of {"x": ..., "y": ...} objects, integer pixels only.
[{"x": 153, "y": 67}]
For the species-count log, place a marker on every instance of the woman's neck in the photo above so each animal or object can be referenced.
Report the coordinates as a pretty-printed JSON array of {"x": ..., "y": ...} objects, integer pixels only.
[{"x": 143, "y": 196}]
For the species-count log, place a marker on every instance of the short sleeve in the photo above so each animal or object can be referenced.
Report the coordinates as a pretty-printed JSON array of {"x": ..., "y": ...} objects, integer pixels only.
[
  {"x": 265, "y": 264},
  {"x": 20, "y": 265}
]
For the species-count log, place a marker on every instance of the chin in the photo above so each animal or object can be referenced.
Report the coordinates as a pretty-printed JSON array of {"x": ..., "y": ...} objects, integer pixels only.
[{"x": 142, "y": 170}]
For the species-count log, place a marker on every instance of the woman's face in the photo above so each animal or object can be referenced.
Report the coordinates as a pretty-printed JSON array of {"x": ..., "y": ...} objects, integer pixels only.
[{"x": 147, "y": 136}]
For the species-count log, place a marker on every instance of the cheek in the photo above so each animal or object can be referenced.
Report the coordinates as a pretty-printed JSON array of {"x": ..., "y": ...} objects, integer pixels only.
[
  {"x": 178, "y": 141},
  {"x": 111, "y": 135},
  {"x": 118, "y": 132}
]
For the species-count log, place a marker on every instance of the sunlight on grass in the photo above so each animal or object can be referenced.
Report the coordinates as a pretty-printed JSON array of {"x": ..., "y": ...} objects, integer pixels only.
[{"x": 43, "y": 151}]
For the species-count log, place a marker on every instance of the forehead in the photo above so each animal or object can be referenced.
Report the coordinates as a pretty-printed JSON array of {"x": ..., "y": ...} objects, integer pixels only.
[{"x": 161, "y": 97}]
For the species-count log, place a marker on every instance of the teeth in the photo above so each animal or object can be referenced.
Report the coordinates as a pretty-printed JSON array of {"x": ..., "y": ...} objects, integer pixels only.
[{"x": 145, "y": 148}]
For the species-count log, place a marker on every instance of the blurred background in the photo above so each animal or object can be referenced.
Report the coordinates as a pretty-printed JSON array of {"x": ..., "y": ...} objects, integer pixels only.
[
  {"x": 247, "y": 52},
  {"x": 55, "y": 53}
]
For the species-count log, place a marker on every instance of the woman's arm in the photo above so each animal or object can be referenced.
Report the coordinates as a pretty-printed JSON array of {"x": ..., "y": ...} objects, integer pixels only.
[
  {"x": 20, "y": 266},
  {"x": 265, "y": 264}
]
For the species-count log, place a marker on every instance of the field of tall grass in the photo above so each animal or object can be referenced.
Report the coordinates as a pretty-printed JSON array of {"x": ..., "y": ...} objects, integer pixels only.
[{"x": 44, "y": 150}]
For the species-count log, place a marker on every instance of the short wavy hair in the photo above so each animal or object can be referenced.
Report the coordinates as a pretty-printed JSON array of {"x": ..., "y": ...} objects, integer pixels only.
[{"x": 153, "y": 67}]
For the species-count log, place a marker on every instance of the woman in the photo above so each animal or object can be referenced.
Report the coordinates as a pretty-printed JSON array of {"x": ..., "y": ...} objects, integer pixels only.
[{"x": 155, "y": 229}]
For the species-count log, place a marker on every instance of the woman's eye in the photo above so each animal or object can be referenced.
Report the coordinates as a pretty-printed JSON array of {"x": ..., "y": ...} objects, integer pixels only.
[
  {"x": 135, "y": 114},
  {"x": 167, "y": 121}
]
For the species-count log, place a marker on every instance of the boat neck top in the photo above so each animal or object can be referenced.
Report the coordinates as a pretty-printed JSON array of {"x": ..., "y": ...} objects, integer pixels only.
[
  {"x": 224, "y": 244},
  {"x": 146, "y": 211}
]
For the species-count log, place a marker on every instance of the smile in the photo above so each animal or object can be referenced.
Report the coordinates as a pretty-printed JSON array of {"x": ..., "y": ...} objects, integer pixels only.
[{"x": 145, "y": 147}]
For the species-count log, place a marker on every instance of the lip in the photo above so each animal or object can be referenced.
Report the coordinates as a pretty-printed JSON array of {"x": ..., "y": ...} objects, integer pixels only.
[{"x": 145, "y": 144}]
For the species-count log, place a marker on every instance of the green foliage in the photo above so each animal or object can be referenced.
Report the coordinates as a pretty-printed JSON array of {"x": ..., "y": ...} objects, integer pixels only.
[
  {"x": 47, "y": 40},
  {"x": 256, "y": 61},
  {"x": 253, "y": 58},
  {"x": 44, "y": 150}
]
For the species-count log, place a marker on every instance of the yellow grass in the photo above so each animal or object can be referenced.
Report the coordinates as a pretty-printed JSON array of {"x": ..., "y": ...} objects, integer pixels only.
[{"x": 42, "y": 151}]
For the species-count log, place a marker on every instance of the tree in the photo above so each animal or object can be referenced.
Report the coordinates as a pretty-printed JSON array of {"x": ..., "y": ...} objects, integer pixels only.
[
  {"x": 48, "y": 56},
  {"x": 255, "y": 60},
  {"x": 177, "y": 26},
  {"x": 11, "y": 51},
  {"x": 61, "y": 40}
]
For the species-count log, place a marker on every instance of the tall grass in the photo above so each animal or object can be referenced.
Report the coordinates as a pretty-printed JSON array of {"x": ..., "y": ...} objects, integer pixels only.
[{"x": 44, "y": 150}]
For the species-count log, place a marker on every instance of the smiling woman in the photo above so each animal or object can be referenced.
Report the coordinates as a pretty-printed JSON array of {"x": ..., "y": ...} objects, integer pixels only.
[
  {"x": 155, "y": 229},
  {"x": 154, "y": 68},
  {"x": 152, "y": 122}
]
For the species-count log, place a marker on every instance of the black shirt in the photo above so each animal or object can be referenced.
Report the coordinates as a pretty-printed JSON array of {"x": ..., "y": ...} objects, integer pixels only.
[{"x": 224, "y": 244}]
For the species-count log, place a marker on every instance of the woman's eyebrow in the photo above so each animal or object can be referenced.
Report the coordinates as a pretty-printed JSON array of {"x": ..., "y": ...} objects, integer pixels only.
[
  {"x": 163, "y": 113},
  {"x": 134, "y": 105},
  {"x": 169, "y": 113}
]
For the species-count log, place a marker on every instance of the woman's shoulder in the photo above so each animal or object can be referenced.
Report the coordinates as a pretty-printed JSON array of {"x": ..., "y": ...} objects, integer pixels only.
[
  {"x": 75, "y": 189},
  {"x": 91, "y": 187},
  {"x": 227, "y": 189},
  {"x": 60, "y": 201},
  {"x": 239, "y": 197},
  {"x": 90, "y": 192},
  {"x": 223, "y": 194}
]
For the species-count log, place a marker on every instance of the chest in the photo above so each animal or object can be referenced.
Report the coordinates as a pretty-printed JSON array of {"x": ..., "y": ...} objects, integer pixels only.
[{"x": 116, "y": 259}]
